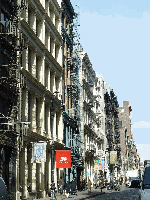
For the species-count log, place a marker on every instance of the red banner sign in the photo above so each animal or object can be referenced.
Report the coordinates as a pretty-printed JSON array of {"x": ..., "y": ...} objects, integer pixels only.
[{"x": 63, "y": 159}]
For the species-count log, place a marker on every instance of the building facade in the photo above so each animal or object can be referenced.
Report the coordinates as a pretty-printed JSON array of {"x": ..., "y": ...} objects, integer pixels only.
[
  {"x": 130, "y": 158},
  {"x": 51, "y": 97},
  {"x": 101, "y": 140},
  {"x": 92, "y": 125},
  {"x": 9, "y": 92},
  {"x": 41, "y": 94},
  {"x": 71, "y": 92},
  {"x": 112, "y": 133}
]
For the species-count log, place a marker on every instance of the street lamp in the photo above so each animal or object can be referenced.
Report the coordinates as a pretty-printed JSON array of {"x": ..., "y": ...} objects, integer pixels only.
[{"x": 53, "y": 197}]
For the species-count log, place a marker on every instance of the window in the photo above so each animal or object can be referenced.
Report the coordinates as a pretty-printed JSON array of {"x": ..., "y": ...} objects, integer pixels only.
[
  {"x": 4, "y": 23},
  {"x": 2, "y": 18}
]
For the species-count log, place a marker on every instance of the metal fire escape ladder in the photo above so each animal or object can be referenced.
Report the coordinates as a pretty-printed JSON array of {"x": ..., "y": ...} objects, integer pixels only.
[{"x": 14, "y": 78}]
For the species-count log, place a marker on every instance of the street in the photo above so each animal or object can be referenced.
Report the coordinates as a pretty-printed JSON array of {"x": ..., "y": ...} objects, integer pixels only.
[
  {"x": 124, "y": 194},
  {"x": 65, "y": 133}
]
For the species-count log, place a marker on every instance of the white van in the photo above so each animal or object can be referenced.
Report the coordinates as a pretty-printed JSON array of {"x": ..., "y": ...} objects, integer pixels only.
[{"x": 145, "y": 186}]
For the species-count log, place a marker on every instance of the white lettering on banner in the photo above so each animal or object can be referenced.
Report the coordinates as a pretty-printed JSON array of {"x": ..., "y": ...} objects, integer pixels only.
[{"x": 63, "y": 158}]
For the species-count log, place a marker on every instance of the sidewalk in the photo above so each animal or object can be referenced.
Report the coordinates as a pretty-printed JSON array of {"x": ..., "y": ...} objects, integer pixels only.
[{"x": 83, "y": 195}]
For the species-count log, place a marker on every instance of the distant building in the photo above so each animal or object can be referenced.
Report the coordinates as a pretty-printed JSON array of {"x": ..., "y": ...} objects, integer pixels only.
[
  {"x": 112, "y": 133},
  {"x": 71, "y": 92},
  {"x": 129, "y": 156}
]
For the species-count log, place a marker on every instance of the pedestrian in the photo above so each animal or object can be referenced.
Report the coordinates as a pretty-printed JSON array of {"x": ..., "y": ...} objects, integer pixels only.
[
  {"x": 83, "y": 184},
  {"x": 67, "y": 189},
  {"x": 121, "y": 180},
  {"x": 73, "y": 186},
  {"x": 60, "y": 185},
  {"x": 89, "y": 186},
  {"x": 80, "y": 185}
]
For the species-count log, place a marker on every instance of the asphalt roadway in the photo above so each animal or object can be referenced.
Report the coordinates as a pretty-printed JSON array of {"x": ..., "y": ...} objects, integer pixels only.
[{"x": 125, "y": 193}]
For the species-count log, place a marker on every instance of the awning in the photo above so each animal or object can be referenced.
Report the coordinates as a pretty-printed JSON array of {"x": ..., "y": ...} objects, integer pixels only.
[{"x": 34, "y": 137}]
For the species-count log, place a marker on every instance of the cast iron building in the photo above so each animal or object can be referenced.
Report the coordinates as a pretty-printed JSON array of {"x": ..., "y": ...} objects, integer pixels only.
[
  {"x": 41, "y": 72},
  {"x": 112, "y": 132},
  {"x": 71, "y": 91},
  {"x": 129, "y": 155},
  {"x": 8, "y": 95},
  {"x": 101, "y": 140},
  {"x": 92, "y": 135}
]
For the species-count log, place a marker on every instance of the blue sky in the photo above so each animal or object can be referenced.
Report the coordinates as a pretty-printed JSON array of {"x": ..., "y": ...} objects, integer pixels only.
[{"x": 116, "y": 36}]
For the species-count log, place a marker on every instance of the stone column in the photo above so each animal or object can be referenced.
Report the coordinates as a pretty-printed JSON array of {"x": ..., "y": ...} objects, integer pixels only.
[
  {"x": 34, "y": 21},
  {"x": 33, "y": 111},
  {"x": 43, "y": 3},
  {"x": 53, "y": 17},
  {"x": 91, "y": 172},
  {"x": 86, "y": 145},
  {"x": 47, "y": 7},
  {"x": 49, "y": 122},
  {"x": 25, "y": 58},
  {"x": 31, "y": 170},
  {"x": 48, "y": 41},
  {"x": 43, "y": 30},
  {"x": 50, "y": 170},
  {"x": 52, "y": 82},
  {"x": 47, "y": 170},
  {"x": 26, "y": 12},
  {"x": 59, "y": 26},
  {"x": 59, "y": 54},
  {"x": 43, "y": 179},
  {"x": 42, "y": 70},
  {"x": 42, "y": 116},
  {"x": 38, "y": 179},
  {"x": 33, "y": 175},
  {"x": 53, "y": 47},
  {"x": 24, "y": 171},
  {"x": 54, "y": 125},
  {"x": 55, "y": 171},
  {"x": 54, "y": 86},
  {"x": 49, "y": 75},
  {"x": 60, "y": 127},
  {"x": 60, "y": 85},
  {"x": 33, "y": 61},
  {"x": 43, "y": 64}
]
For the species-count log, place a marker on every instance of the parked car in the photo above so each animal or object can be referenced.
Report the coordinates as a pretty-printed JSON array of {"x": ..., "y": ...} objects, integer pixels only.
[
  {"x": 3, "y": 190},
  {"x": 135, "y": 184},
  {"x": 145, "y": 186}
]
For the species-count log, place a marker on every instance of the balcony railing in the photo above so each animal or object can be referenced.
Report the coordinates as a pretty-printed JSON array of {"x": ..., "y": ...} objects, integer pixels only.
[{"x": 6, "y": 27}]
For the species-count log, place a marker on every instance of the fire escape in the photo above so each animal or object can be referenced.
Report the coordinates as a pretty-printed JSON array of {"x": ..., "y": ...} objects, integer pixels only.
[
  {"x": 112, "y": 127},
  {"x": 12, "y": 82}
]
